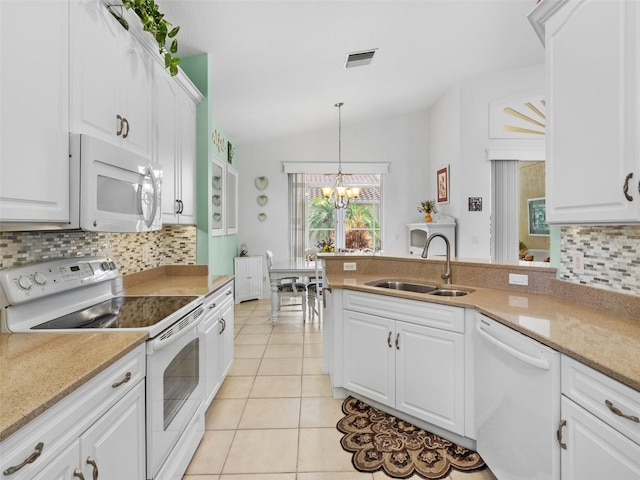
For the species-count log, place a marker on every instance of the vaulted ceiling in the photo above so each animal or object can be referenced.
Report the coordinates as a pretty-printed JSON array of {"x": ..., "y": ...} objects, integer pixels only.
[{"x": 278, "y": 66}]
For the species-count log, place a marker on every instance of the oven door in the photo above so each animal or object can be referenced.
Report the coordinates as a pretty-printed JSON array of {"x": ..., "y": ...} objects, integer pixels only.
[
  {"x": 175, "y": 389},
  {"x": 119, "y": 190}
]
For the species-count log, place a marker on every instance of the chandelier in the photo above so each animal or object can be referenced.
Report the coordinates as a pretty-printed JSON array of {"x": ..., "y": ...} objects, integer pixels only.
[{"x": 339, "y": 195}]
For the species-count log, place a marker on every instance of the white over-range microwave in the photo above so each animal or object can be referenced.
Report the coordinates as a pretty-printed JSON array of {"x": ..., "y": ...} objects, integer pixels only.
[{"x": 116, "y": 190}]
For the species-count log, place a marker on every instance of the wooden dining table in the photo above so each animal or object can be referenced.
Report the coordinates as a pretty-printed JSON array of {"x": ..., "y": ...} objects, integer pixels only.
[{"x": 286, "y": 269}]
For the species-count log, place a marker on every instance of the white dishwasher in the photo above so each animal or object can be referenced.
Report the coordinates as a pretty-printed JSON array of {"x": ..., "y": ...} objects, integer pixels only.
[{"x": 517, "y": 403}]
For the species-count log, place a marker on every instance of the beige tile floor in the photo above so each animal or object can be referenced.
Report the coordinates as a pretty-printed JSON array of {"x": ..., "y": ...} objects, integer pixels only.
[{"x": 274, "y": 417}]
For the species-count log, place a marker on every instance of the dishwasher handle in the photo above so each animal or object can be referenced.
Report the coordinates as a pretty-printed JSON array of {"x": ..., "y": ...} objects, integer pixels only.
[{"x": 529, "y": 360}]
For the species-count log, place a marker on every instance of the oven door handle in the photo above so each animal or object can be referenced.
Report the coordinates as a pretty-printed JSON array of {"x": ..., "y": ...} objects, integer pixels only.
[{"x": 169, "y": 336}]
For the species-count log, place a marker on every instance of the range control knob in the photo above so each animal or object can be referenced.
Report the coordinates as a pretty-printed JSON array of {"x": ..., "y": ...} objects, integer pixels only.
[
  {"x": 24, "y": 282},
  {"x": 39, "y": 278},
  {"x": 105, "y": 266}
]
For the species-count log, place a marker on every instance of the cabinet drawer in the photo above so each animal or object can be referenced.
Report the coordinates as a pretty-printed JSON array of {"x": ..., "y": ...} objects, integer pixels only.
[
  {"x": 592, "y": 390},
  {"x": 66, "y": 420},
  {"x": 421, "y": 313}
]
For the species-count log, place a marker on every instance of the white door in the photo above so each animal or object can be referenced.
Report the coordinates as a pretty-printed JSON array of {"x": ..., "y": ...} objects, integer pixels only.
[
  {"x": 369, "y": 356},
  {"x": 430, "y": 375},
  {"x": 594, "y": 450},
  {"x": 115, "y": 445}
]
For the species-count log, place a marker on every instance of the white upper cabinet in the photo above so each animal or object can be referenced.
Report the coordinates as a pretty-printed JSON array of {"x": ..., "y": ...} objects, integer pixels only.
[
  {"x": 34, "y": 119},
  {"x": 175, "y": 147},
  {"x": 593, "y": 155},
  {"x": 111, "y": 80}
]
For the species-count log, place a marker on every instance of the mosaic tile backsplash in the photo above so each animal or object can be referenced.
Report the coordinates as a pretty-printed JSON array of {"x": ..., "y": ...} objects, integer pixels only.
[
  {"x": 610, "y": 257},
  {"x": 132, "y": 252}
]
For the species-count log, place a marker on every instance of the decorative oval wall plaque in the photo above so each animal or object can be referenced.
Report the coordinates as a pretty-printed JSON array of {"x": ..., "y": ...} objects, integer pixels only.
[
  {"x": 262, "y": 183},
  {"x": 262, "y": 217},
  {"x": 215, "y": 199},
  {"x": 216, "y": 182},
  {"x": 262, "y": 200}
]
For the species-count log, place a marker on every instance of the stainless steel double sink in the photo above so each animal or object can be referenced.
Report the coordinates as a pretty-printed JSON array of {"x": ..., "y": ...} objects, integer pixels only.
[{"x": 427, "y": 288}]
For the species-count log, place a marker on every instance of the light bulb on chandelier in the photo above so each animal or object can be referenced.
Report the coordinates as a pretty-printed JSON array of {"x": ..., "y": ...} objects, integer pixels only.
[{"x": 339, "y": 195}]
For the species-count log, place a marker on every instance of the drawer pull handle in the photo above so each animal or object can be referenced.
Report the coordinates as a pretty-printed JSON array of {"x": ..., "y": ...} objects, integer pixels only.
[
  {"x": 625, "y": 189},
  {"x": 30, "y": 459},
  {"x": 617, "y": 411},
  {"x": 92, "y": 462},
  {"x": 398, "y": 341},
  {"x": 126, "y": 378},
  {"x": 559, "y": 434},
  {"x": 78, "y": 474},
  {"x": 389, "y": 340}
]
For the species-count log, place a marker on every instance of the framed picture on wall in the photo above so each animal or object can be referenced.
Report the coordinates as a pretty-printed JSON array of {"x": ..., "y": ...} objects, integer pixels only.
[
  {"x": 442, "y": 184},
  {"x": 537, "y": 217}
]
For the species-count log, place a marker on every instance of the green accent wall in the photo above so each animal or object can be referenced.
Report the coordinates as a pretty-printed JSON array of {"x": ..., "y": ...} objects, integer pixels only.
[{"x": 216, "y": 252}]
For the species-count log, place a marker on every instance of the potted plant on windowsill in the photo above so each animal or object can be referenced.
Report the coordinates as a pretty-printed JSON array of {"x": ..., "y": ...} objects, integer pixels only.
[
  {"x": 153, "y": 21},
  {"x": 428, "y": 207}
]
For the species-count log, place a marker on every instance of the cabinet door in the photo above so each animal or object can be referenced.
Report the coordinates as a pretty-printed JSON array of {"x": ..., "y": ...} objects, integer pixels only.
[
  {"x": 62, "y": 467},
  {"x": 213, "y": 380},
  {"x": 430, "y": 375},
  {"x": 166, "y": 148},
  {"x": 369, "y": 356},
  {"x": 226, "y": 337},
  {"x": 115, "y": 444},
  {"x": 187, "y": 142},
  {"x": 136, "y": 93},
  {"x": 255, "y": 277},
  {"x": 34, "y": 119},
  {"x": 95, "y": 75},
  {"x": 242, "y": 278},
  {"x": 592, "y": 113},
  {"x": 594, "y": 450}
]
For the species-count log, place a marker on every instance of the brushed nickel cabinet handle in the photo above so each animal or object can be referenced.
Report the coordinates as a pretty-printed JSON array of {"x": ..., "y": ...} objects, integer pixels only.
[
  {"x": 78, "y": 474},
  {"x": 617, "y": 412},
  {"x": 559, "y": 434},
  {"x": 30, "y": 459},
  {"x": 92, "y": 462},
  {"x": 625, "y": 189},
  {"x": 126, "y": 378},
  {"x": 126, "y": 133},
  {"x": 398, "y": 341},
  {"x": 120, "y": 125},
  {"x": 389, "y": 340},
  {"x": 223, "y": 323}
]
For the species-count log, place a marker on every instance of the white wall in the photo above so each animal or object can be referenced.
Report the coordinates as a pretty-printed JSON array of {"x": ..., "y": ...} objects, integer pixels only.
[
  {"x": 400, "y": 141},
  {"x": 464, "y": 111}
]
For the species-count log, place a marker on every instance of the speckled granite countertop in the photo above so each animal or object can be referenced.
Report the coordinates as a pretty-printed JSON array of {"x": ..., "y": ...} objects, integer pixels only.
[
  {"x": 605, "y": 340},
  {"x": 28, "y": 383},
  {"x": 36, "y": 371}
]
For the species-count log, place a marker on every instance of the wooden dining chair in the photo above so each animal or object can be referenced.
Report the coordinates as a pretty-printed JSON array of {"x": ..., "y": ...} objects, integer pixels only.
[{"x": 289, "y": 287}]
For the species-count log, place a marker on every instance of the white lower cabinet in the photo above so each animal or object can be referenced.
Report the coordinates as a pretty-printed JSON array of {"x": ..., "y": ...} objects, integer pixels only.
[
  {"x": 248, "y": 271},
  {"x": 98, "y": 431},
  {"x": 599, "y": 433},
  {"x": 218, "y": 327},
  {"x": 406, "y": 364}
]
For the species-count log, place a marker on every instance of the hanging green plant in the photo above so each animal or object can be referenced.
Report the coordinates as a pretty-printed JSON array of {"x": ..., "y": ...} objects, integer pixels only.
[{"x": 153, "y": 21}]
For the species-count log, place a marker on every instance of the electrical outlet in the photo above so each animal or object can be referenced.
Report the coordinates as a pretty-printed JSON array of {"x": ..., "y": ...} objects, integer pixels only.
[
  {"x": 517, "y": 279},
  {"x": 349, "y": 266},
  {"x": 578, "y": 262}
]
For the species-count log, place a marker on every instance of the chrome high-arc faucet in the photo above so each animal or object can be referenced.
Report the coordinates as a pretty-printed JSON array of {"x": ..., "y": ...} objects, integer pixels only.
[{"x": 446, "y": 275}]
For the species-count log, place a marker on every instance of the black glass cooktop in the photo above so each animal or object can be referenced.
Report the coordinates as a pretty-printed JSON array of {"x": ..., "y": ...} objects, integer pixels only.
[{"x": 120, "y": 312}]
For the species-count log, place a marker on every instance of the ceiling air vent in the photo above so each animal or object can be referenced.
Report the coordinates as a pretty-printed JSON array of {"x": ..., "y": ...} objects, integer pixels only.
[{"x": 359, "y": 59}]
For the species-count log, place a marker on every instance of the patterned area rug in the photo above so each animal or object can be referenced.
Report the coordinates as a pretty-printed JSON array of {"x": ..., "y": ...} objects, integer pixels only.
[{"x": 380, "y": 441}]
